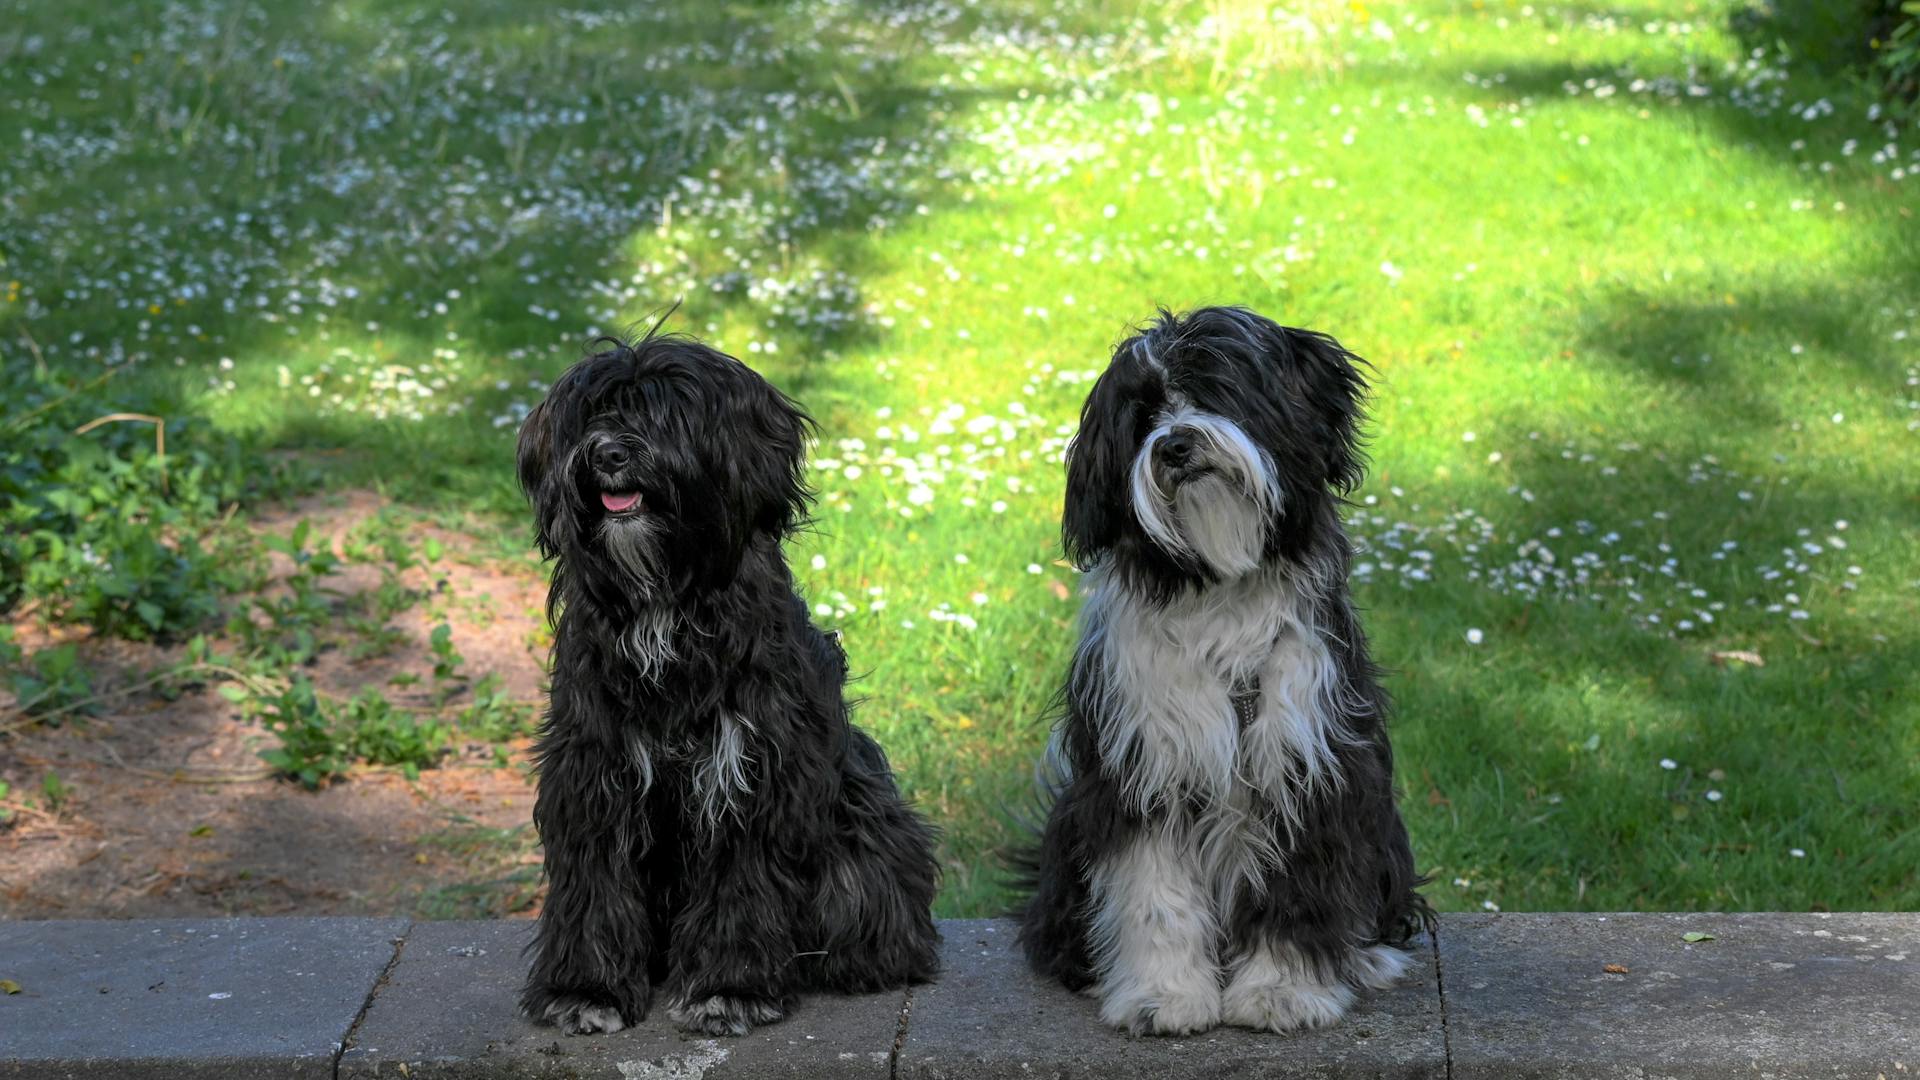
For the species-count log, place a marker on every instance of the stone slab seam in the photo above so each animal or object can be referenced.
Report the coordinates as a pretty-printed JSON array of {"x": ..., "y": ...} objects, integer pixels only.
[
  {"x": 900, "y": 1034},
  {"x": 379, "y": 984},
  {"x": 1440, "y": 988}
]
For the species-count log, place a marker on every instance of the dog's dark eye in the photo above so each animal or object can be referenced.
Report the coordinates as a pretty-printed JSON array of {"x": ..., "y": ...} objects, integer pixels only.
[{"x": 1142, "y": 417}]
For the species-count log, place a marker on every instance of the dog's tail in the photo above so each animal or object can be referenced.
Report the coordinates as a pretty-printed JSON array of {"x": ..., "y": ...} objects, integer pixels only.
[
  {"x": 1409, "y": 918},
  {"x": 1027, "y": 822},
  {"x": 1044, "y": 869},
  {"x": 1404, "y": 912}
]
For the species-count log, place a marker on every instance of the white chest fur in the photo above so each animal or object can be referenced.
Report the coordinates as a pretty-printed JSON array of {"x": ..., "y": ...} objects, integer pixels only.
[
  {"x": 1167, "y": 725},
  {"x": 1218, "y": 798}
]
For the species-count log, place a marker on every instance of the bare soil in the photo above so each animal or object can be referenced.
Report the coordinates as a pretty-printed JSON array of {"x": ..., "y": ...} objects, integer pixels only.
[{"x": 172, "y": 813}]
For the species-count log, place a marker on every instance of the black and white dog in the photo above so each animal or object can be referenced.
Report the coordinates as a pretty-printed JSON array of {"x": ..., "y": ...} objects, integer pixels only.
[
  {"x": 713, "y": 824},
  {"x": 1223, "y": 845}
]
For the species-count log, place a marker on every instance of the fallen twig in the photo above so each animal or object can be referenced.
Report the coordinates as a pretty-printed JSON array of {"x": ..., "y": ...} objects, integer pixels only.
[
  {"x": 181, "y": 776},
  {"x": 159, "y": 435},
  {"x": 25, "y": 717},
  {"x": 22, "y": 808}
]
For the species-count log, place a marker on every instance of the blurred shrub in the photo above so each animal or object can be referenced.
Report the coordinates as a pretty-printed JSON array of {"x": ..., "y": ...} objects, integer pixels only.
[
  {"x": 1898, "y": 48},
  {"x": 51, "y": 680},
  {"x": 1828, "y": 35},
  {"x": 1878, "y": 39},
  {"x": 99, "y": 527}
]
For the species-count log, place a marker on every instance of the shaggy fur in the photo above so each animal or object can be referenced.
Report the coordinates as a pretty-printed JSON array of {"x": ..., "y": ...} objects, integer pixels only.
[
  {"x": 1222, "y": 844},
  {"x": 713, "y": 824}
]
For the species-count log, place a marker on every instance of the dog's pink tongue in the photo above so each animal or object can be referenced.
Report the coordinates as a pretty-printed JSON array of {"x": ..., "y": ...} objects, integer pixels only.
[{"x": 619, "y": 503}]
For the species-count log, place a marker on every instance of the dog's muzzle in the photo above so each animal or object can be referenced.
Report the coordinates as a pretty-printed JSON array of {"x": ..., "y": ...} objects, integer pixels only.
[
  {"x": 610, "y": 457},
  {"x": 612, "y": 463},
  {"x": 1180, "y": 457},
  {"x": 1174, "y": 451}
]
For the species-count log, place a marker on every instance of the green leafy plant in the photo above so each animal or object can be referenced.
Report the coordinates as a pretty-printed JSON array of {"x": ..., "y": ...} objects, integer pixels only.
[
  {"x": 312, "y": 748},
  {"x": 285, "y": 627},
  {"x": 448, "y": 676},
  {"x": 124, "y": 581},
  {"x": 53, "y": 680},
  {"x": 380, "y": 541},
  {"x": 1897, "y": 56},
  {"x": 373, "y": 637},
  {"x": 1878, "y": 40},
  {"x": 321, "y": 737},
  {"x": 384, "y": 735},
  {"x": 447, "y": 660},
  {"x": 56, "y": 792},
  {"x": 492, "y": 716},
  {"x": 118, "y": 526}
]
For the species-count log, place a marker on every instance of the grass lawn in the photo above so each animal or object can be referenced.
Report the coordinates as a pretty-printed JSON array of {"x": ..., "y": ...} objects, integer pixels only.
[{"x": 1640, "y": 538}]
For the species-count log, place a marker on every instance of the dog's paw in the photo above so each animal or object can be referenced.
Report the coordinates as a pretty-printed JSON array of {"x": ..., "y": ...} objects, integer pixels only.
[
  {"x": 1285, "y": 1005},
  {"x": 1380, "y": 966},
  {"x": 723, "y": 1014},
  {"x": 1187, "y": 1012},
  {"x": 579, "y": 1016}
]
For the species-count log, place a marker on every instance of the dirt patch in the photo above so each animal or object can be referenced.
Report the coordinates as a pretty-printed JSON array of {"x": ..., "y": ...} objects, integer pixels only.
[{"x": 161, "y": 805}]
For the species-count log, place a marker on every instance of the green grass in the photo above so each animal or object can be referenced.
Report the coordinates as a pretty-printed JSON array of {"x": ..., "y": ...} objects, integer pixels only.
[{"x": 1615, "y": 331}]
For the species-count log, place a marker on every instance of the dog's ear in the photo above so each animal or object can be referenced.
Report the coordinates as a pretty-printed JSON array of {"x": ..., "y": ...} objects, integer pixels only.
[
  {"x": 767, "y": 434},
  {"x": 1097, "y": 462},
  {"x": 534, "y": 459},
  {"x": 534, "y": 454},
  {"x": 1326, "y": 391}
]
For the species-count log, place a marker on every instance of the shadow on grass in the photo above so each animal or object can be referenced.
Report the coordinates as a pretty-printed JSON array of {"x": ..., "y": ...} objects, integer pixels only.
[
  {"x": 1742, "y": 115},
  {"x": 594, "y": 166},
  {"x": 1728, "y": 366},
  {"x": 1532, "y": 763},
  {"x": 1730, "y": 351}
]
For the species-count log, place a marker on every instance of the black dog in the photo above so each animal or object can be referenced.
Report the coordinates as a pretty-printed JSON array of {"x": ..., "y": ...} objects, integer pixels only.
[
  {"x": 1223, "y": 845},
  {"x": 713, "y": 824}
]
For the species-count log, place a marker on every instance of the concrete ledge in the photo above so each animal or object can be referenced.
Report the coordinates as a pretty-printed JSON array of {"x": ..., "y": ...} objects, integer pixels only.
[
  {"x": 989, "y": 1016},
  {"x": 1786, "y": 996},
  {"x": 447, "y": 1010},
  {"x": 1779, "y": 996},
  {"x": 201, "y": 997}
]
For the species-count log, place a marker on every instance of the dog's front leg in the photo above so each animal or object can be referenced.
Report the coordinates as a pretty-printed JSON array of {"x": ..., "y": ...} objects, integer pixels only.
[
  {"x": 733, "y": 944},
  {"x": 591, "y": 946},
  {"x": 1274, "y": 987},
  {"x": 1152, "y": 937}
]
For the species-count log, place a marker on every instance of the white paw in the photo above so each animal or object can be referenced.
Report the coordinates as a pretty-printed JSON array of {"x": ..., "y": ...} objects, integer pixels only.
[
  {"x": 1380, "y": 966},
  {"x": 724, "y": 1015},
  {"x": 1166, "y": 1011},
  {"x": 1285, "y": 1006},
  {"x": 582, "y": 1018}
]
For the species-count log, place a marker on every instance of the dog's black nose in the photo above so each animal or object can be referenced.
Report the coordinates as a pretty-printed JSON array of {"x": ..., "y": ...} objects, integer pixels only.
[
  {"x": 1175, "y": 450},
  {"x": 611, "y": 456}
]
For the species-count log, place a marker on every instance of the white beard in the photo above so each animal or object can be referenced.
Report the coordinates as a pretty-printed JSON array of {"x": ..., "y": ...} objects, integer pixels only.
[{"x": 1220, "y": 518}]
